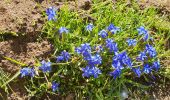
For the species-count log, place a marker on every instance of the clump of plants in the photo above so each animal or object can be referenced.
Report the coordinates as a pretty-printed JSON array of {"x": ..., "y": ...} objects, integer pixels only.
[{"x": 92, "y": 59}]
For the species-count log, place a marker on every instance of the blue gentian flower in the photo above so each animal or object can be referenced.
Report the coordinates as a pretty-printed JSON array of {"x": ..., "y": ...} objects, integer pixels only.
[
  {"x": 113, "y": 29},
  {"x": 87, "y": 72},
  {"x": 125, "y": 59},
  {"x": 103, "y": 33},
  {"x": 131, "y": 42},
  {"x": 112, "y": 46},
  {"x": 91, "y": 71},
  {"x": 147, "y": 69},
  {"x": 51, "y": 13},
  {"x": 146, "y": 37},
  {"x": 60, "y": 58},
  {"x": 45, "y": 66},
  {"x": 27, "y": 72},
  {"x": 142, "y": 56},
  {"x": 84, "y": 49},
  {"x": 94, "y": 60},
  {"x": 116, "y": 63},
  {"x": 116, "y": 73},
  {"x": 89, "y": 27},
  {"x": 55, "y": 86},
  {"x": 119, "y": 60},
  {"x": 156, "y": 65},
  {"x": 65, "y": 56},
  {"x": 143, "y": 31},
  {"x": 63, "y": 30},
  {"x": 98, "y": 48},
  {"x": 95, "y": 71},
  {"x": 150, "y": 50},
  {"x": 137, "y": 71}
]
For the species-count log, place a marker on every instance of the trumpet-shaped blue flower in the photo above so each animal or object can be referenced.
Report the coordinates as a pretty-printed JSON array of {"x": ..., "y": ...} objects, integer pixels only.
[
  {"x": 89, "y": 27},
  {"x": 142, "y": 56},
  {"x": 116, "y": 73},
  {"x": 112, "y": 46},
  {"x": 84, "y": 49},
  {"x": 55, "y": 86},
  {"x": 156, "y": 65},
  {"x": 91, "y": 71},
  {"x": 103, "y": 33},
  {"x": 137, "y": 71},
  {"x": 51, "y": 13},
  {"x": 65, "y": 56},
  {"x": 63, "y": 30},
  {"x": 27, "y": 72},
  {"x": 143, "y": 31},
  {"x": 131, "y": 42},
  {"x": 116, "y": 62},
  {"x": 147, "y": 69},
  {"x": 125, "y": 59},
  {"x": 113, "y": 29},
  {"x": 94, "y": 60},
  {"x": 45, "y": 66},
  {"x": 150, "y": 50}
]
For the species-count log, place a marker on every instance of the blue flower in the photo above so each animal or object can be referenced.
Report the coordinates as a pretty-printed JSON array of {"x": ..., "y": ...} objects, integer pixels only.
[
  {"x": 116, "y": 63},
  {"x": 147, "y": 69},
  {"x": 98, "y": 48},
  {"x": 89, "y": 27},
  {"x": 156, "y": 65},
  {"x": 54, "y": 86},
  {"x": 137, "y": 71},
  {"x": 142, "y": 56},
  {"x": 95, "y": 71},
  {"x": 113, "y": 29},
  {"x": 60, "y": 58},
  {"x": 45, "y": 66},
  {"x": 143, "y": 31},
  {"x": 87, "y": 71},
  {"x": 150, "y": 50},
  {"x": 119, "y": 60},
  {"x": 27, "y": 72},
  {"x": 51, "y": 13},
  {"x": 94, "y": 60},
  {"x": 103, "y": 33},
  {"x": 63, "y": 30},
  {"x": 112, "y": 46},
  {"x": 131, "y": 42},
  {"x": 65, "y": 56},
  {"x": 125, "y": 59},
  {"x": 84, "y": 49},
  {"x": 91, "y": 71},
  {"x": 116, "y": 73}
]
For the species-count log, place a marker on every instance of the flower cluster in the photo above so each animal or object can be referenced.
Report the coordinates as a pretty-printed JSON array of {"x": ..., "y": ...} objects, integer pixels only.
[
  {"x": 45, "y": 66},
  {"x": 51, "y": 13},
  {"x": 92, "y": 60},
  {"x": 27, "y": 72},
  {"x": 89, "y": 27},
  {"x": 144, "y": 32},
  {"x": 64, "y": 56}
]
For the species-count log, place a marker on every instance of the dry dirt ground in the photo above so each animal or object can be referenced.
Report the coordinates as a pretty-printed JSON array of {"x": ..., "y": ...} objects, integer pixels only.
[{"x": 25, "y": 16}]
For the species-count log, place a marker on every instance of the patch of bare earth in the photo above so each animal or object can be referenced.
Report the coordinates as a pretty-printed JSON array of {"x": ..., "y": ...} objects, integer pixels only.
[{"x": 165, "y": 4}]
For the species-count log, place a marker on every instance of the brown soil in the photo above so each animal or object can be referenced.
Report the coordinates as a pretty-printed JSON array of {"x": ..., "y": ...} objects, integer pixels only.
[
  {"x": 163, "y": 4},
  {"x": 25, "y": 16}
]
